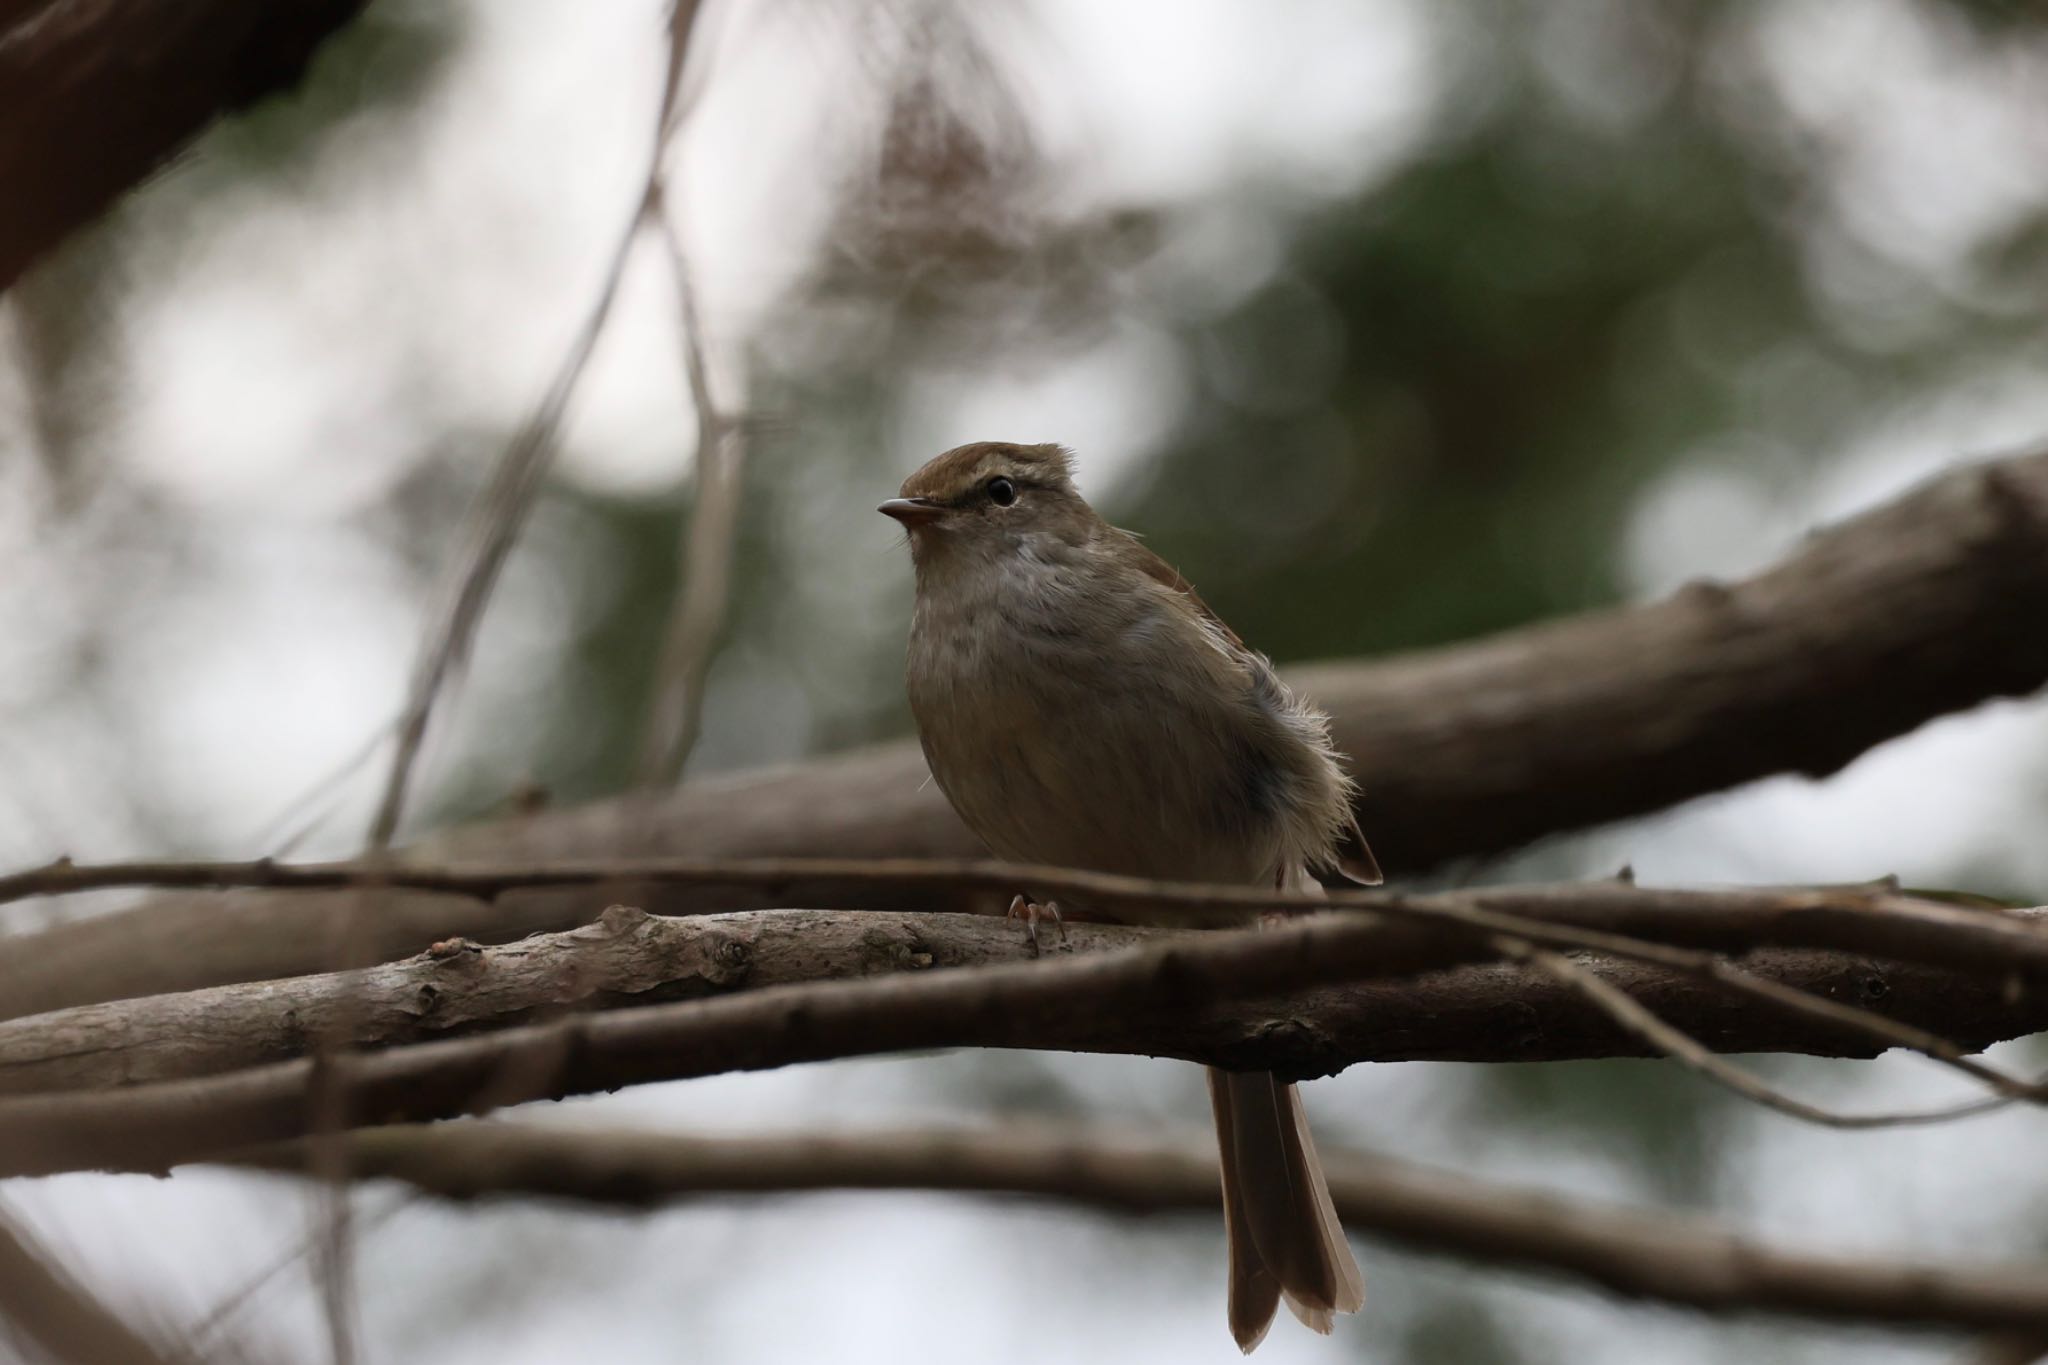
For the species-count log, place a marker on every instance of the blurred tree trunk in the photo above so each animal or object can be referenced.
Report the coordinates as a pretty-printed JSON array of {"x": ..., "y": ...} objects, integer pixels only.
[{"x": 94, "y": 95}]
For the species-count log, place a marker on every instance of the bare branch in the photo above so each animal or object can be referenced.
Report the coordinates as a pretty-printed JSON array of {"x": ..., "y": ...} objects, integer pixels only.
[
  {"x": 494, "y": 524},
  {"x": 1780, "y": 996},
  {"x": 705, "y": 572},
  {"x": 499, "y": 514},
  {"x": 1189, "y": 996},
  {"x": 214, "y": 1323},
  {"x": 629, "y": 958},
  {"x": 1657, "y": 1256},
  {"x": 1696, "y": 1056},
  {"x": 94, "y": 97}
]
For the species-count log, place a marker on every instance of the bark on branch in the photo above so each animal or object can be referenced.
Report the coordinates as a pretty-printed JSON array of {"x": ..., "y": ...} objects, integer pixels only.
[
  {"x": 95, "y": 96},
  {"x": 1900, "y": 615},
  {"x": 1192, "y": 996},
  {"x": 1661, "y": 1257},
  {"x": 630, "y": 958}
]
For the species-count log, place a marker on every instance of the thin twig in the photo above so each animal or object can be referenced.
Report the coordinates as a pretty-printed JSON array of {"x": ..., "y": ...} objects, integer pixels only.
[
  {"x": 1869, "y": 919},
  {"x": 494, "y": 524},
  {"x": 224, "y": 1310},
  {"x": 1923, "y": 1041},
  {"x": 333, "y": 1209},
  {"x": 499, "y": 514},
  {"x": 304, "y": 813},
  {"x": 1687, "y": 1050},
  {"x": 676, "y": 711}
]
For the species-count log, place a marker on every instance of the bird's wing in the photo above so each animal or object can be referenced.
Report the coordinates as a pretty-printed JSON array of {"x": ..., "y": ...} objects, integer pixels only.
[
  {"x": 1147, "y": 562},
  {"x": 1354, "y": 856}
]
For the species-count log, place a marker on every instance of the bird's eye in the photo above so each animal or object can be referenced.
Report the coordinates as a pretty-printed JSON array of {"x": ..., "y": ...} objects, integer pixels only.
[{"x": 1001, "y": 491}]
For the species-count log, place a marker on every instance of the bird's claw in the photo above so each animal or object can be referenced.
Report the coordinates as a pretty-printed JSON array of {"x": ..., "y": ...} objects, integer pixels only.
[{"x": 1031, "y": 911}]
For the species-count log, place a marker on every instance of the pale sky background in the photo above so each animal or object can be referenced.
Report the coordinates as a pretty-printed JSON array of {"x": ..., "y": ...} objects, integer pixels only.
[{"x": 311, "y": 340}]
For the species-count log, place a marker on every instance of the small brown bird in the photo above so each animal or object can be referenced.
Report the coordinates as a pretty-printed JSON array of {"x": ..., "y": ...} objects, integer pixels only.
[{"x": 1080, "y": 706}]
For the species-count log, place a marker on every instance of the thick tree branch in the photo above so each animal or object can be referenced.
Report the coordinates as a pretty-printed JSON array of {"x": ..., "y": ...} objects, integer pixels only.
[
  {"x": 1905, "y": 613},
  {"x": 629, "y": 958},
  {"x": 1895, "y": 617},
  {"x": 1661, "y": 1257},
  {"x": 95, "y": 96},
  {"x": 1191, "y": 996}
]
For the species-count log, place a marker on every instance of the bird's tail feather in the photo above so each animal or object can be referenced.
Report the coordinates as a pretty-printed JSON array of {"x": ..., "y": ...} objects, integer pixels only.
[{"x": 1285, "y": 1240}]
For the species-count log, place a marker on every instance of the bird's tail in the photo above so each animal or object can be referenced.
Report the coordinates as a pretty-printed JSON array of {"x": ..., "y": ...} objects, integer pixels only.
[{"x": 1285, "y": 1240}]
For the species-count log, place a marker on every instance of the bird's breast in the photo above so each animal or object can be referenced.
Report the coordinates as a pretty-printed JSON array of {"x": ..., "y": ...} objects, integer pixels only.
[{"x": 1073, "y": 726}]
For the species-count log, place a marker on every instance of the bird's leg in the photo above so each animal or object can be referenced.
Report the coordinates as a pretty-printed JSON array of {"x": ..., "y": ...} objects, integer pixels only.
[
  {"x": 1031, "y": 911},
  {"x": 1274, "y": 917}
]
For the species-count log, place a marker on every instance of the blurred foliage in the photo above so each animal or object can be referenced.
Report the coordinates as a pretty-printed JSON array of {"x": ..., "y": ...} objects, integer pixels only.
[
  {"x": 1673, "y": 1139},
  {"x": 373, "y": 68},
  {"x": 67, "y": 312},
  {"x": 1448, "y": 1328}
]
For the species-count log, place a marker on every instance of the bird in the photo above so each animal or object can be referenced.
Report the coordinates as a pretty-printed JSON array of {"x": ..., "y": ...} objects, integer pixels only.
[{"x": 1081, "y": 707}]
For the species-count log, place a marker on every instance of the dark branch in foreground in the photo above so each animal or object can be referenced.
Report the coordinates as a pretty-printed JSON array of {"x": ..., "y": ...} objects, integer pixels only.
[
  {"x": 2004, "y": 1348},
  {"x": 1184, "y": 995},
  {"x": 93, "y": 97},
  {"x": 1889, "y": 620},
  {"x": 1661, "y": 1257}
]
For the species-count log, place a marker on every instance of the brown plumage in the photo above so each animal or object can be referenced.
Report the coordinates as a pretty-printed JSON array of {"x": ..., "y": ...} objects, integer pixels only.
[{"x": 1081, "y": 706}]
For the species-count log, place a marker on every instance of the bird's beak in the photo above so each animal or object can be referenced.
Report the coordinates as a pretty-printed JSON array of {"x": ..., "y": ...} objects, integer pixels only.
[{"x": 913, "y": 511}]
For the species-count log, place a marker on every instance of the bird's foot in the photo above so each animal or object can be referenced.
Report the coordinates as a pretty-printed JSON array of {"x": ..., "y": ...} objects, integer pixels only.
[{"x": 1031, "y": 911}]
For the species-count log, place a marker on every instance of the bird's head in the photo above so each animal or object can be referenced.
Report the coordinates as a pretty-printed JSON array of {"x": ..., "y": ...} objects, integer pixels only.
[{"x": 990, "y": 497}]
